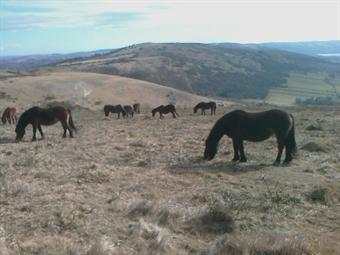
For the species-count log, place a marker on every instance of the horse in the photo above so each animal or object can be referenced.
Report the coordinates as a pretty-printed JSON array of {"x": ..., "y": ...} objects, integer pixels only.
[
  {"x": 114, "y": 109},
  {"x": 245, "y": 126},
  {"x": 204, "y": 106},
  {"x": 136, "y": 107},
  {"x": 37, "y": 116},
  {"x": 128, "y": 110},
  {"x": 10, "y": 115},
  {"x": 165, "y": 109}
]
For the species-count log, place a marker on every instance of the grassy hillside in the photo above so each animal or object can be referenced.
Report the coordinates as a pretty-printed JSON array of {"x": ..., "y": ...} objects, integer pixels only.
[
  {"x": 229, "y": 70},
  {"x": 303, "y": 86},
  {"x": 141, "y": 187},
  {"x": 89, "y": 90}
]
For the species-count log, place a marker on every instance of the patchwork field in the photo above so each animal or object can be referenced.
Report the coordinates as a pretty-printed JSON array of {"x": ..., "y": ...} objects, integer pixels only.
[
  {"x": 303, "y": 86},
  {"x": 140, "y": 186}
]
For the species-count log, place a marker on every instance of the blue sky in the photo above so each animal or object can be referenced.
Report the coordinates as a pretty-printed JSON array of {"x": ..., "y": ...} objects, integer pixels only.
[{"x": 57, "y": 26}]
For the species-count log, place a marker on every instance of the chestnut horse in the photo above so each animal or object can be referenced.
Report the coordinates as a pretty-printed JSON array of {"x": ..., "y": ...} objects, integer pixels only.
[
  {"x": 10, "y": 115},
  {"x": 245, "y": 126},
  {"x": 205, "y": 106},
  {"x": 114, "y": 109},
  {"x": 165, "y": 109},
  {"x": 136, "y": 108},
  {"x": 37, "y": 116}
]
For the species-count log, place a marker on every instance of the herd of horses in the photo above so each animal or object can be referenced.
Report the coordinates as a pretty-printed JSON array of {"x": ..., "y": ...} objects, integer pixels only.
[{"x": 238, "y": 125}]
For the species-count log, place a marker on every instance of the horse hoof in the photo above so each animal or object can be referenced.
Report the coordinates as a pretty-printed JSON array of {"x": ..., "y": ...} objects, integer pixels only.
[
  {"x": 286, "y": 163},
  {"x": 276, "y": 163},
  {"x": 235, "y": 159},
  {"x": 243, "y": 160}
]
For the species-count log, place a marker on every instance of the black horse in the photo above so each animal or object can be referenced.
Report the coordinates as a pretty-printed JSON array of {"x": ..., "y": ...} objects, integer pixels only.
[
  {"x": 37, "y": 116},
  {"x": 205, "y": 106},
  {"x": 165, "y": 109},
  {"x": 128, "y": 110},
  {"x": 114, "y": 109},
  {"x": 244, "y": 126}
]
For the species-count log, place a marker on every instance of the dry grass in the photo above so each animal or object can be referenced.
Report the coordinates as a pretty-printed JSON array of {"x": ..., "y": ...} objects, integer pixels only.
[{"x": 140, "y": 186}]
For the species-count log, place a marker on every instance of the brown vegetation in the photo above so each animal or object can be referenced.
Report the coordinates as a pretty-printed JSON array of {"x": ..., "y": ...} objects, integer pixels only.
[{"x": 140, "y": 186}]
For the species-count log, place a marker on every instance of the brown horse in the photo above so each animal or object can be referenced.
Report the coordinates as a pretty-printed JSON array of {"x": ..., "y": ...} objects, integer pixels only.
[
  {"x": 10, "y": 115},
  {"x": 165, "y": 109},
  {"x": 244, "y": 126},
  {"x": 205, "y": 106},
  {"x": 37, "y": 116},
  {"x": 128, "y": 110},
  {"x": 114, "y": 109},
  {"x": 136, "y": 108}
]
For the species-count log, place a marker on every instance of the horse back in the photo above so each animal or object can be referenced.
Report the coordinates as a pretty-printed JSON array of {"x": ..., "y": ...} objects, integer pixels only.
[
  {"x": 50, "y": 116},
  {"x": 261, "y": 125}
]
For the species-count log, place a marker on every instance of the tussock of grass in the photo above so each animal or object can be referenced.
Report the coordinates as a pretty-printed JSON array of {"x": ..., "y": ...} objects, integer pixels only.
[
  {"x": 317, "y": 194},
  {"x": 315, "y": 147},
  {"x": 139, "y": 209},
  {"x": 259, "y": 244},
  {"x": 214, "y": 220}
]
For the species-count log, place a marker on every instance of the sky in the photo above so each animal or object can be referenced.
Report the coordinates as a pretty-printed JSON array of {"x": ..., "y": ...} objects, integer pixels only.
[{"x": 59, "y": 26}]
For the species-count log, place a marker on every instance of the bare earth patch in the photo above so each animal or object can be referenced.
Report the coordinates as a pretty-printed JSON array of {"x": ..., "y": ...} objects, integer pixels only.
[{"x": 140, "y": 186}]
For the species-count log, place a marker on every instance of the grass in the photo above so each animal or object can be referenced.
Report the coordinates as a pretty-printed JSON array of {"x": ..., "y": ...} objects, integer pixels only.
[
  {"x": 303, "y": 86},
  {"x": 140, "y": 186}
]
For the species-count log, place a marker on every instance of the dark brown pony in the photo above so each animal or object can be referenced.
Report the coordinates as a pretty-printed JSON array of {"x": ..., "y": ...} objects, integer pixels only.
[
  {"x": 37, "y": 116},
  {"x": 136, "y": 108},
  {"x": 205, "y": 106},
  {"x": 114, "y": 109},
  {"x": 10, "y": 115},
  {"x": 165, "y": 109},
  {"x": 244, "y": 126},
  {"x": 128, "y": 110}
]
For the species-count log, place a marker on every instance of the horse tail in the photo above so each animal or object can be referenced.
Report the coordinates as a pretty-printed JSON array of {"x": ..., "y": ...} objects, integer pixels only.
[
  {"x": 291, "y": 142},
  {"x": 70, "y": 121}
]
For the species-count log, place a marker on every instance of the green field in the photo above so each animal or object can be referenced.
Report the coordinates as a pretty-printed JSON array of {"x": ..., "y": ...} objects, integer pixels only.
[{"x": 304, "y": 86}]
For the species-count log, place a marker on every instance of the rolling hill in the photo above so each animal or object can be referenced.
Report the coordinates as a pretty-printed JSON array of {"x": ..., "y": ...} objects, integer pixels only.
[
  {"x": 88, "y": 90},
  {"x": 227, "y": 70}
]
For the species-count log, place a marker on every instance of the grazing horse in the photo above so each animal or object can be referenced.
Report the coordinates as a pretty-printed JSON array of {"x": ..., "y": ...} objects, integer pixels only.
[
  {"x": 165, "y": 109},
  {"x": 114, "y": 109},
  {"x": 136, "y": 108},
  {"x": 245, "y": 126},
  {"x": 10, "y": 115},
  {"x": 205, "y": 106},
  {"x": 37, "y": 116},
  {"x": 128, "y": 110}
]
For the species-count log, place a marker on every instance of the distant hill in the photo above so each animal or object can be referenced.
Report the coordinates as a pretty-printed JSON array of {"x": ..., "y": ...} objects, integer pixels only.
[
  {"x": 33, "y": 61},
  {"x": 90, "y": 90},
  {"x": 328, "y": 50},
  {"x": 227, "y": 70}
]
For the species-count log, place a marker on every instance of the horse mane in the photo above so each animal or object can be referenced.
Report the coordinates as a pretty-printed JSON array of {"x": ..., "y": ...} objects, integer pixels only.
[{"x": 23, "y": 122}]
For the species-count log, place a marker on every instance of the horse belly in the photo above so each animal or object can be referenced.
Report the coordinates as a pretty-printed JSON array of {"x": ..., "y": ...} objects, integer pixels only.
[
  {"x": 48, "y": 121},
  {"x": 258, "y": 135}
]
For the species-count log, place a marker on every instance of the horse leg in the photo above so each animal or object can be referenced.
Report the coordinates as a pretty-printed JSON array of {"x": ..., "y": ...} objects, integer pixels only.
[
  {"x": 41, "y": 132},
  {"x": 236, "y": 154},
  {"x": 34, "y": 125},
  {"x": 280, "y": 142},
  {"x": 9, "y": 120},
  {"x": 65, "y": 127},
  {"x": 174, "y": 115},
  {"x": 70, "y": 131},
  {"x": 241, "y": 149},
  {"x": 289, "y": 156}
]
